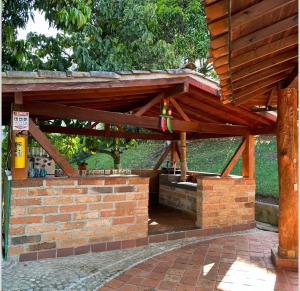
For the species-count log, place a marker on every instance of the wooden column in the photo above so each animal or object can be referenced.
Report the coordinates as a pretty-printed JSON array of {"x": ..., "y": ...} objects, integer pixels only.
[
  {"x": 248, "y": 158},
  {"x": 183, "y": 156},
  {"x": 174, "y": 156},
  {"x": 287, "y": 151},
  {"x": 22, "y": 173}
]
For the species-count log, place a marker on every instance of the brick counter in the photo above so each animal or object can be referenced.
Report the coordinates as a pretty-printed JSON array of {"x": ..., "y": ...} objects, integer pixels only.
[
  {"x": 225, "y": 201},
  {"x": 64, "y": 216}
]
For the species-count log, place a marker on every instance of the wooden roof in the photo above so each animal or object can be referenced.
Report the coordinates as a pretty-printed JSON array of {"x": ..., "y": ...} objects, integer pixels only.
[
  {"x": 254, "y": 48},
  {"x": 197, "y": 104}
]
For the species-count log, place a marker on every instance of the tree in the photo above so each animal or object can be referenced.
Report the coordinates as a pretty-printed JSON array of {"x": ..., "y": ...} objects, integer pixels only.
[{"x": 108, "y": 35}]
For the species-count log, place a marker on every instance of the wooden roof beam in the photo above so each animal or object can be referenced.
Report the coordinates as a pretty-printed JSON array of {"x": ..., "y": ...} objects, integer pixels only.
[
  {"x": 106, "y": 133},
  {"x": 71, "y": 112},
  {"x": 289, "y": 79}
]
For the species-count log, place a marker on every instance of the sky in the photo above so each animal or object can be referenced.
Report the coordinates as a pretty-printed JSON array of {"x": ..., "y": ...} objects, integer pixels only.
[{"x": 39, "y": 25}]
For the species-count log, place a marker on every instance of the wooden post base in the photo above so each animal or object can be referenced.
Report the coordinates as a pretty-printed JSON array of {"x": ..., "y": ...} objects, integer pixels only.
[{"x": 284, "y": 262}]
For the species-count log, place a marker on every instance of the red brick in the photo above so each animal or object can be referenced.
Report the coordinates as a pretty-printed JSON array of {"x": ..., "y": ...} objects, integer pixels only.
[
  {"x": 115, "y": 180},
  {"x": 16, "y": 211},
  {"x": 125, "y": 244},
  {"x": 91, "y": 181},
  {"x": 65, "y": 252},
  {"x": 99, "y": 247},
  {"x": 249, "y": 205},
  {"x": 157, "y": 238},
  {"x": 15, "y": 250},
  {"x": 60, "y": 181},
  {"x": 112, "y": 213},
  {"x": 138, "y": 180},
  {"x": 40, "y": 192},
  {"x": 26, "y": 202},
  {"x": 141, "y": 241},
  {"x": 40, "y": 228},
  {"x": 241, "y": 199},
  {"x": 26, "y": 219},
  {"x": 141, "y": 219},
  {"x": 57, "y": 200},
  {"x": 115, "y": 245},
  {"x": 87, "y": 215},
  {"x": 82, "y": 250},
  {"x": 42, "y": 246},
  {"x": 142, "y": 203},
  {"x": 72, "y": 225},
  {"x": 123, "y": 220},
  {"x": 87, "y": 199},
  {"x": 114, "y": 197},
  {"x": 59, "y": 217},
  {"x": 35, "y": 182},
  {"x": 19, "y": 192},
  {"x": 16, "y": 230},
  {"x": 123, "y": 189},
  {"x": 73, "y": 208},
  {"x": 138, "y": 227},
  {"x": 42, "y": 209},
  {"x": 72, "y": 191},
  {"x": 28, "y": 257},
  {"x": 47, "y": 254},
  {"x": 176, "y": 235},
  {"x": 100, "y": 206}
]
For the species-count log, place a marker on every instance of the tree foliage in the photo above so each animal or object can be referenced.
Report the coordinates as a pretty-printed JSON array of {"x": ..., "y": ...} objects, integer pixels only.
[{"x": 106, "y": 35}]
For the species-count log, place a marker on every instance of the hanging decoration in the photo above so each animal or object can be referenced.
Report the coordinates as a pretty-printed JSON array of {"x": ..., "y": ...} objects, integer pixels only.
[{"x": 166, "y": 116}]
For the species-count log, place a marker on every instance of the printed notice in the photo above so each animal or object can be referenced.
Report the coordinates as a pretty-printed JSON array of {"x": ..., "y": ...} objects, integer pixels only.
[{"x": 20, "y": 120}]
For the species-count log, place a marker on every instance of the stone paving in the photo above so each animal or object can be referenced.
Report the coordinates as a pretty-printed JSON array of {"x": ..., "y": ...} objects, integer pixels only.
[
  {"x": 239, "y": 263},
  {"x": 89, "y": 271}
]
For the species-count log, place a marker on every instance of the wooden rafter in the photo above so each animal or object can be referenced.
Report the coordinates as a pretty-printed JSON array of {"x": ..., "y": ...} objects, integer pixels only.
[
  {"x": 163, "y": 157},
  {"x": 147, "y": 106},
  {"x": 238, "y": 153},
  {"x": 42, "y": 139},
  {"x": 179, "y": 109},
  {"x": 272, "y": 94}
]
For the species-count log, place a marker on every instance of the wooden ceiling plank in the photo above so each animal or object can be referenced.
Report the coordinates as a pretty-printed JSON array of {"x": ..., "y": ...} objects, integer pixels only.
[
  {"x": 250, "y": 116},
  {"x": 257, "y": 10},
  {"x": 252, "y": 80},
  {"x": 264, "y": 51},
  {"x": 219, "y": 41},
  {"x": 265, "y": 33},
  {"x": 218, "y": 27},
  {"x": 264, "y": 65},
  {"x": 216, "y": 10},
  {"x": 289, "y": 79}
]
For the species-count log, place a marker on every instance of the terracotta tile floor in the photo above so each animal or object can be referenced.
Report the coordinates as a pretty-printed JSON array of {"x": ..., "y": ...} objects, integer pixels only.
[{"x": 238, "y": 263}]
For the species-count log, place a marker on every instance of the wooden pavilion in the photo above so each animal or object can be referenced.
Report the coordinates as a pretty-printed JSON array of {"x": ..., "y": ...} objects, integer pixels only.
[
  {"x": 73, "y": 214},
  {"x": 254, "y": 49}
]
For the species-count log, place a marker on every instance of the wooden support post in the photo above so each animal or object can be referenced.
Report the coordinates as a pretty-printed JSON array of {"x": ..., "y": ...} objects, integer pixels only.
[
  {"x": 17, "y": 173},
  {"x": 183, "y": 156},
  {"x": 234, "y": 158},
  {"x": 248, "y": 161},
  {"x": 42, "y": 139},
  {"x": 174, "y": 156},
  {"x": 287, "y": 147},
  {"x": 163, "y": 157}
]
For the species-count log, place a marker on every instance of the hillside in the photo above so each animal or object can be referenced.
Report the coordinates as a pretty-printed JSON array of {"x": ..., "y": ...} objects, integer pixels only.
[{"x": 206, "y": 155}]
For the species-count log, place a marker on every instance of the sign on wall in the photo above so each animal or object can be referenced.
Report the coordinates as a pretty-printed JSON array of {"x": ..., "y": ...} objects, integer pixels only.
[{"x": 20, "y": 120}]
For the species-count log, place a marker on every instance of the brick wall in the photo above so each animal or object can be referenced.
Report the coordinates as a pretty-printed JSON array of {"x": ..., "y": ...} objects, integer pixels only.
[
  {"x": 53, "y": 216},
  {"x": 223, "y": 202}
]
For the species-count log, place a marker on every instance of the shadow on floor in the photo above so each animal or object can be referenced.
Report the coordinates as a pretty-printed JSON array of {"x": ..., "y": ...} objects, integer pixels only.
[{"x": 163, "y": 219}]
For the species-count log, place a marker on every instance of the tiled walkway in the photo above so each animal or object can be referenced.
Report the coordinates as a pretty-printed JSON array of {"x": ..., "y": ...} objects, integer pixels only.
[{"x": 228, "y": 263}]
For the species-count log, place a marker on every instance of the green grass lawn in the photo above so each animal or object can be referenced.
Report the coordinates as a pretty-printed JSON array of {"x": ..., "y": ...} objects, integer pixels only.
[{"x": 207, "y": 156}]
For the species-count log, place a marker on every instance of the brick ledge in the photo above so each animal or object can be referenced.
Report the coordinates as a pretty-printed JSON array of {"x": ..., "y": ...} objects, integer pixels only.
[{"x": 125, "y": 244}]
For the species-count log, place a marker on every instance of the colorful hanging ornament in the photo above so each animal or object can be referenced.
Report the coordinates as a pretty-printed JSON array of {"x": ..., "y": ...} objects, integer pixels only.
[{"x": 165, "y": 116}]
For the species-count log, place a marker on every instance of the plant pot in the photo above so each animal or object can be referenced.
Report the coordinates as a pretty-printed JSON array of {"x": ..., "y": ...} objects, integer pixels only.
[{"x": 82, "y": 167}]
